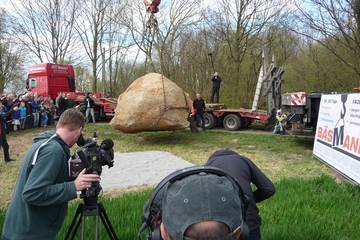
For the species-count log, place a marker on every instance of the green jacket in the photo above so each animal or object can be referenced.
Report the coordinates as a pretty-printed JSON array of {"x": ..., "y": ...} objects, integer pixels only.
[{"x": 40, "y": 200}]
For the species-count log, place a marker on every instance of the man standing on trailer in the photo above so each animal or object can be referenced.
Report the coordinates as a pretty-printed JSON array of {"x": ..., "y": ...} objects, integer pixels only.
[{"x": 216, "y": 79}]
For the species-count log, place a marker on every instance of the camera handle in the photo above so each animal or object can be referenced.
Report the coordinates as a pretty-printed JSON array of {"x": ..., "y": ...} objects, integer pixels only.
[{"x": 84, "y": 160}]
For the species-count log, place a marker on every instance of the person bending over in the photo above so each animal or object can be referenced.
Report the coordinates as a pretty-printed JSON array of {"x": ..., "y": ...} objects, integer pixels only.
[{"x": 245, "y": 172}]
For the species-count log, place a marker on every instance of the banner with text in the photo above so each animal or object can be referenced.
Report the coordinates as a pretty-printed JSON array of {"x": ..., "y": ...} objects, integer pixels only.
[{"x": 337, "y": 139}]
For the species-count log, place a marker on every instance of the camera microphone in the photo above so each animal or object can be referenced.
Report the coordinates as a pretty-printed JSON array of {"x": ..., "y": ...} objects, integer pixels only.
[{"x": 107, "y": 144}]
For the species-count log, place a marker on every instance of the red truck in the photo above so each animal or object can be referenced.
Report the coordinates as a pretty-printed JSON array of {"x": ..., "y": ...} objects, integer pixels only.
[{"x": 47, "y": 79}]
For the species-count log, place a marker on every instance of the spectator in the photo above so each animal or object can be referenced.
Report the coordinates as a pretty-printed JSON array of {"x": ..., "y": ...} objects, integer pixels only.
[
  {"x": 35, "y": 106},
  {"x": 192, "y": 122},
  {"x": 43, "y": 114},
  {"x": 281, "y": 122},
  {"x": 27, "y": 101},
  {"x": 12, "y": 101},
  {"x": 15, "y": 119},
  {"x": 22, "y": 110},
  {"x": 70, "y": 102},
  {"x": 89, "y": 107},
  {"x": 62, "y": 104},
  {"x": 3, "y": 141},
  {"x": 246, "y": 173},
  {"x": 51, "y": 112},
  {"x": 199, "y": 106},
  {"x": 57, "y": 100}
]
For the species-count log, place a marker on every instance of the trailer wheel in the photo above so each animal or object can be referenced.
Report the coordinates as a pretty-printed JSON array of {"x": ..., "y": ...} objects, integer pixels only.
[
  {"x": 245, "y": 122},
  {"x": 232, "y": 122},
  {"x": 210, "y": 121}
]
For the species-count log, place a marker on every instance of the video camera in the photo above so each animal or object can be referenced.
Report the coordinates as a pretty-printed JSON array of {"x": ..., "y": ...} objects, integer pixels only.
[{"x": 91, "y": 156}]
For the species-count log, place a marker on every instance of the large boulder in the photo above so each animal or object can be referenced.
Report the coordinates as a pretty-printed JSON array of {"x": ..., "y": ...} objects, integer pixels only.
[{"x": 151, "y": 103}]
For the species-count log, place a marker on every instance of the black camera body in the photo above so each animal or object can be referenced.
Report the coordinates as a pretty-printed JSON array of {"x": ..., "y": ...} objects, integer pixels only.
[{"x": 91, "y": 156}]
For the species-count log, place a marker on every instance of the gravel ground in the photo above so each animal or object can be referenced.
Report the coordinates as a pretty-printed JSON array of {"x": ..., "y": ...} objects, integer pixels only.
[{"x": 139, "y": 169}]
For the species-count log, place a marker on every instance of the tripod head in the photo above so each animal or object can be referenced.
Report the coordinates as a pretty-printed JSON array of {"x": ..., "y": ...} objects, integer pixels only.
[{"x": 91, "y": 195}]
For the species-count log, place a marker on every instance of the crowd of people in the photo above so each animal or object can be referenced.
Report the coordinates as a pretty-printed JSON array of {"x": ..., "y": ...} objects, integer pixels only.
[{"x": 33, "y": 111}]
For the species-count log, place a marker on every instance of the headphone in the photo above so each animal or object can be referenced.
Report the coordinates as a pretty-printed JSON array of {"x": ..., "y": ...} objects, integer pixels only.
[{"x": 153, "y": 207}]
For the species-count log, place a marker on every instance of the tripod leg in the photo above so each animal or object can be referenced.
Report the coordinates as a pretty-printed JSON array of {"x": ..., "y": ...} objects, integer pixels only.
[
  {"x": 82, "y": 226},
  {"x": 106, "y": 221},
  {"x": 96, "y": 227},
  {"x": 77, "y": 213}
]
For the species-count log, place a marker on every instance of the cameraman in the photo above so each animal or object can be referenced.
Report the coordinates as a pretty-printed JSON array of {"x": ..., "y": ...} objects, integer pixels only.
[{"x": 40, "y": 200}]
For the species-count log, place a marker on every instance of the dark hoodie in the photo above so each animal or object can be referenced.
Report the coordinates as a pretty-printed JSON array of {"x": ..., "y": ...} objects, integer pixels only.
[
  {"x": 40, "y": 200},
  {"x": 245, "y": 172}
]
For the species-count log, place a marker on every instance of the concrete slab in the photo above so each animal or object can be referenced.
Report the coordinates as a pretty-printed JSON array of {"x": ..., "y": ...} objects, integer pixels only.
[{"x": 140, "y": 168}]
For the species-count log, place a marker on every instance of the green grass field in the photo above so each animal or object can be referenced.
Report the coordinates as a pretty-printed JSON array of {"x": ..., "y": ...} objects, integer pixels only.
[{"x": 310, "y": 201}]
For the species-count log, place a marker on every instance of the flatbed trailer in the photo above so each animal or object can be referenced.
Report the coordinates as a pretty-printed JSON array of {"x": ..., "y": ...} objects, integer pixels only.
[{"x": 233, "y": 119}]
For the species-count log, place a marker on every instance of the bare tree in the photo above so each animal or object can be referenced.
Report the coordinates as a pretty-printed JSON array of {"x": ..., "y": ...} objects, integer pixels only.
[
  {"x": 90, "y": 28},
  {"x": 237, "y": 29},
  {"x": 98, "y": 32},
  {"x": 45, "y": 28},
  {"x": 116, "y": 46},
  {"x": 335, "y": 25},
  {"x": 11, "y": 60}
]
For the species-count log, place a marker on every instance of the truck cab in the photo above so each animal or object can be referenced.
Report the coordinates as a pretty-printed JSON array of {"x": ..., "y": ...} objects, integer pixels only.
[{"x": 48, "y": 79}]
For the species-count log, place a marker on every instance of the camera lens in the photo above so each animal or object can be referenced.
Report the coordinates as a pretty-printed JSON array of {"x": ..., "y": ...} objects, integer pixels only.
[{"x": 107, "y": 144}]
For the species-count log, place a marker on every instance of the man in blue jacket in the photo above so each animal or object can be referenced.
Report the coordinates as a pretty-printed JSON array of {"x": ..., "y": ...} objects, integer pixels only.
[
  {"x": 40, "y": 200},
  {"x": 245, "y": 172}
]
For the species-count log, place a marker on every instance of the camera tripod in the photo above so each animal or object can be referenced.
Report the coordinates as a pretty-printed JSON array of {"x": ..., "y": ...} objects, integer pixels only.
[{"x": 93, "y": 209}]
